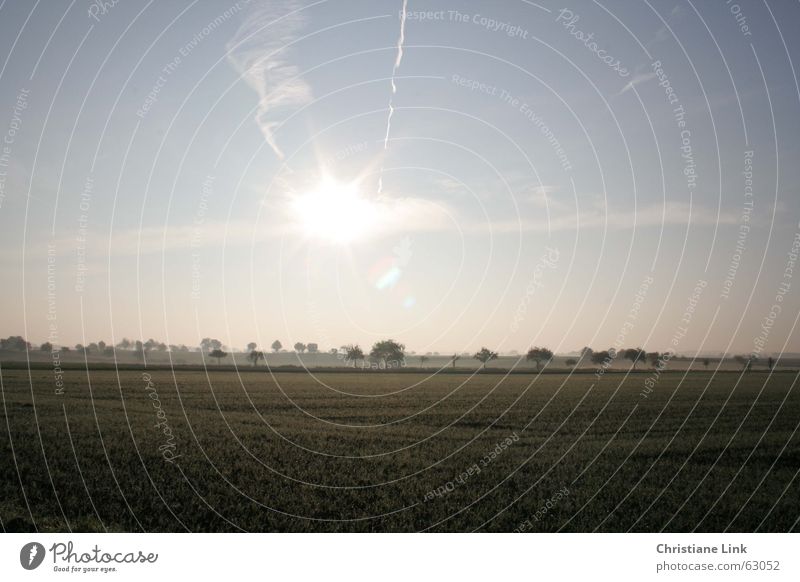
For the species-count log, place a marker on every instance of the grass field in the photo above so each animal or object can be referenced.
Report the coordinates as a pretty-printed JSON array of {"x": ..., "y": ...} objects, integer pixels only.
[{"x": 224, "y": 451}]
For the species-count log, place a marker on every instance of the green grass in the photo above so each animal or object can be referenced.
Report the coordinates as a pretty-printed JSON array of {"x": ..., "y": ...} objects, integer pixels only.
[{"x": 361, "y": 452}]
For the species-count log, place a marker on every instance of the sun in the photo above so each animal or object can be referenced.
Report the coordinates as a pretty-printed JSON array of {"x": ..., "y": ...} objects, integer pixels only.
[{"x": 334, "y": 212}]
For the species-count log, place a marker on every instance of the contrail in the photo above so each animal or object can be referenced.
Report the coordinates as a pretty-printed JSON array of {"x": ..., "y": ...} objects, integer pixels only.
[{"x": 401, "y": 39}]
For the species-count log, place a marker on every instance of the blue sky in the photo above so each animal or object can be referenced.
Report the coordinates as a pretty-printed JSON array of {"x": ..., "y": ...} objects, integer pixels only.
[{"x": 528, "y": 186}]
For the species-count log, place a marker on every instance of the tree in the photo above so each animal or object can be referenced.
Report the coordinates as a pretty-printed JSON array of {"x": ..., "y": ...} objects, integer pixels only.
[
  {"x": 603, "y": 356},
  {"x": 706, "y": 362},
  {"x": 252, "y": 346},
  {"x": 138, "y": 350},
  {"x": 276, "y": 346},
  {"x": 586, "y": 355},
  {"x": 205, "y": 343},
  {"x": 388, "y": 353},
  {"x": 333, "y": 351},
  {"x": 537, "y": 354},
  {"x": 255, "y": 355},
  {"x": 108, "y": 351},
  {"x": 218, "y": 354},
  {"x": 485, "y": 355},
  {"x": 770, "y": 363},
  {"x": 312, "y": 348},
  {"x": 46, "y": 347},
  {"x": 453, "y": 359},
  {"x": 654, "y": 358},
  {"x": 299, "y": 347},
  {"x": 422, "y": 360},
  {"x": 14, "y": 342},
  {"x": 571, "y": 362},
  {"x": 353, "y": 353},
  {"x": 101, "y": 345},
  {"x": 634, "y": 355}
]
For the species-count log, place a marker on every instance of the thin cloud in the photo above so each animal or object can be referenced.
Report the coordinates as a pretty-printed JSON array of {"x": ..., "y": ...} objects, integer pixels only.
[
  {"x": 673, "y": 214},
  {"x": 637, "y": 80},
  {"x": 259, "y": 51}
]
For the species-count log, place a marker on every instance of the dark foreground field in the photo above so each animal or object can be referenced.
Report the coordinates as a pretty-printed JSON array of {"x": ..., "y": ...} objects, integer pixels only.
[{"x": 404, "y": 452}]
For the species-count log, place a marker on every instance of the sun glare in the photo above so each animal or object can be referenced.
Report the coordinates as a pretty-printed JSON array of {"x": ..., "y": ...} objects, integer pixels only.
[{"x": 334, "y": 212}]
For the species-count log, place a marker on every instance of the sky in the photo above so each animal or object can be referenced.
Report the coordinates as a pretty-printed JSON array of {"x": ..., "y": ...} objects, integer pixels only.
[{"x": 456, "y": 175}]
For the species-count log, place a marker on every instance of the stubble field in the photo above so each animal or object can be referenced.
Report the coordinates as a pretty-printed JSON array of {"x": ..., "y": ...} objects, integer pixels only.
[{"x": 225, "y": 451}]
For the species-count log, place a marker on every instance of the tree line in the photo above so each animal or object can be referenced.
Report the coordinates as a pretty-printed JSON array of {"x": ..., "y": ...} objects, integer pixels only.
[{"x": 384, "y": 354}]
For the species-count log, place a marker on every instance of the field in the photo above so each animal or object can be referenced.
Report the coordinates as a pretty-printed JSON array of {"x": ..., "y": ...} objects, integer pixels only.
[{"x": 164, "y": 450}]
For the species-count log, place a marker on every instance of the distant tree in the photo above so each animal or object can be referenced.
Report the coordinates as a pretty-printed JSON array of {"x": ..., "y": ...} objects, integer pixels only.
[
  {"x": 138, "y": 350},
  {"x": 353, "y": 353},
  {"x": 635, "y": 355},
  {"x": 746, "y": 361},
  {"x": 770, "y": 363},
  {"x": 654, "y": 358},
  {"x": 333, "y": 351},
  {"x": 80, "y": 348},
  {"x": 751, "y": 359},
  {"x": 602, "y": 356},
  {"x": 538, "y": 355},
  {"x": 124, "y": 344},
  {"x": 108, "y": 351},
  {"x": 388, "y": 353},
  {"x": 485, "y": 355},
  {"x": 299, "y": 347},
  {"x": 254, "y": 356},
  {"x": 252, "y": 346},
  {"x": 454, "y": 358},
  {"x": 706, "y": 362},
  {"x": 161, "y": 347},
  {"x": 218, "y": 354},
  {"x": 571, "y": 362},
  {"x": 14, "y": 343},
  {"x": 586, "y": 355},
  {"x": 312, "y": 348},
  {"x": 205, "y": 343},
  {"x": 276, "y": 346},
  {"x": 422, "y": 360},
  {"x": 150, "y": 345},
  {"x": 65, "y": 349},
  {"x": 46, "y": 347},
  {"x": 101, "y": 346}
]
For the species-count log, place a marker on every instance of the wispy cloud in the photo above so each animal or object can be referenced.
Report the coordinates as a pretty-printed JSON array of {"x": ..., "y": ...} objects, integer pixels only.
[
  {"x": 637, "y": 80},
  {"x": 259, "y": 51},
  {"x": 671, "y": 214},
  {"x": 663, "y": 33}
]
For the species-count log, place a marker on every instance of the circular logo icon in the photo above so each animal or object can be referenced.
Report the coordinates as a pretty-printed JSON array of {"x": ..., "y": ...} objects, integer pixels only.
[{"x": 31, "y": 555}]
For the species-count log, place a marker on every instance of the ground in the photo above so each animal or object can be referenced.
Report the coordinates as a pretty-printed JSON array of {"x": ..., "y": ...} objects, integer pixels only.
[{"x": 165, "y": 450}]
